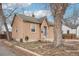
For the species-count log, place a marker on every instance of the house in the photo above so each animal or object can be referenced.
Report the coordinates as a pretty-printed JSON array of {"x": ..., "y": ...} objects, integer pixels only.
[
  {"x": 28, "y": 28},
  {"x": 70, "y": 30}
]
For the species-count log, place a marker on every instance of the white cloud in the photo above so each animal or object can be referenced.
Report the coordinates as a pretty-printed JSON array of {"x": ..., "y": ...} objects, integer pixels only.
[
  {"x": 4, "y": 6},
  {"x": 9, "y": 6},
  {"x": 13, "y": 5},
  {"x": 23, "y": 4},
  {"x": 39, "y": 13},
  {"x": 42, "y": 13},
  {"x": 28, "y": 13}
]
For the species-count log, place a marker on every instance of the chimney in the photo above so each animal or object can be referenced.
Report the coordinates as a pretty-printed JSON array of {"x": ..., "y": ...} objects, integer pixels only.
[{"x": 33, "y": 15}]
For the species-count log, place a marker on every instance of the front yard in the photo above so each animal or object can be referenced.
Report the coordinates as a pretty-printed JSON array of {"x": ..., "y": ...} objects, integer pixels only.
[{"x": 46, "y": 48}]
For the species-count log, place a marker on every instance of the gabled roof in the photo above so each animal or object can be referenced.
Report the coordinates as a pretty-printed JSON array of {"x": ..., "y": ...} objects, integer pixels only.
[
  {"x": 28, "y": 18},
  {"x": 49, "y": 23},
  {"x": 32, "y": 19}
]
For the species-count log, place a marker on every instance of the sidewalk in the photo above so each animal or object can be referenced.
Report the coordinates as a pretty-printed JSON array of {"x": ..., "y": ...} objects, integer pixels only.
[{"x": 4, "y": 51}]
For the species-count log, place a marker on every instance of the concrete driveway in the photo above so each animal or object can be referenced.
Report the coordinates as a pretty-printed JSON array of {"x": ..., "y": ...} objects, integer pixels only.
[{"x": 5, "y": 51}]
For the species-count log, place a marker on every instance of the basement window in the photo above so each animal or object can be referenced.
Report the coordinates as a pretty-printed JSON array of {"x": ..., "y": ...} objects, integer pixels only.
[{"x": 16, "y": 30}]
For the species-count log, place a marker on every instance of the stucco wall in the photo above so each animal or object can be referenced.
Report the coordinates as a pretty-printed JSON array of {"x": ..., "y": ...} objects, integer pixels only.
[
  {"x": 33, "y": 36},
  {"x": 17, "y": 26},
  {"x": 44, "y": 23},
  {"x": 50, "y": 34},
  {"x": 24, "y": 29}
]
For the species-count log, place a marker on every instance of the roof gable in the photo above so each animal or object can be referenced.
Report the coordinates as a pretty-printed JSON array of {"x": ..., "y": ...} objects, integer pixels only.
[
  {"x": 45, "y": 18},
  {"x": 44, "y": 21},
  {"x": 13, "y": 20}
]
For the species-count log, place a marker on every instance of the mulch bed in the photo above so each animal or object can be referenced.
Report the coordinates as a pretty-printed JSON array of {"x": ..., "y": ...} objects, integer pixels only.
[{"x": 47, "y": 49}]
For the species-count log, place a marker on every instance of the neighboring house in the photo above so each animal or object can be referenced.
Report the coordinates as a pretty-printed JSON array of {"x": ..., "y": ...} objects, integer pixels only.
[
  {"x": 70, "y": 30},
  {"x": 28, "y": 28},
  {"x": 69, "y": 33}
]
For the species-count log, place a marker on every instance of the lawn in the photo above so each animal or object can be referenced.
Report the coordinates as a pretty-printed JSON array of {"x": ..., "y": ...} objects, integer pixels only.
[{"x": 47, "y": 49}]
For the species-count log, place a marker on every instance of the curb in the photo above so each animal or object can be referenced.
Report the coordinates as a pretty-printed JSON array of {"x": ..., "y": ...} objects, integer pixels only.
[
  {"x": 72, "y": 50},
  {"x": 26, "y": 51}
]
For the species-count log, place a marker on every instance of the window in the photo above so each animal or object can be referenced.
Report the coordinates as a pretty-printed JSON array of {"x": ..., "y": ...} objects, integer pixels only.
[
  {"x": 44, "y": 31},
  {"x": 33, "y": 28},
  {"x": 16, "y": 29}
]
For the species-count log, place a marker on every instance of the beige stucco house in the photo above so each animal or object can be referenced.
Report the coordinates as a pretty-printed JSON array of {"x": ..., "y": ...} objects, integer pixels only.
[{"x": 28, "y": 28}]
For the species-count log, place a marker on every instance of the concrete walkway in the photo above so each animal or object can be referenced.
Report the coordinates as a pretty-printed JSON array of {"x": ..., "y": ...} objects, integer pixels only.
[{"x": 4, "y": 51}]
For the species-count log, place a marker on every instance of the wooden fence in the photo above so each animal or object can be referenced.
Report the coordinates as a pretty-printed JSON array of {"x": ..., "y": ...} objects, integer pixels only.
[
  {"x": 69, "y": 36},
  {"x": 3, "y": 36}
]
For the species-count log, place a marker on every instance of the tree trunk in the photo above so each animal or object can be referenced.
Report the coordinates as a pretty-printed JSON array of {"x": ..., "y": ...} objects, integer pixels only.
[
  {"x": 7, "y": 31},
  {"x": 58, "y": 31},
  {"x": 58, "y": 10},
  {"x": 4, "y": 21}
]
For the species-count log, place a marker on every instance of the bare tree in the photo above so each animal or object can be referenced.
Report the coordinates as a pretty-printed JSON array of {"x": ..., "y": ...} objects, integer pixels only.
[
  {"x": 4, "y": 21},
  {"x": 58, "y": 10},
  {"x": 1, "y": 17}
]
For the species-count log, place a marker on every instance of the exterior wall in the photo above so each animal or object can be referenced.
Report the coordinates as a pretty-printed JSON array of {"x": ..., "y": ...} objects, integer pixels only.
[
  {"x": 17, "y": 29},
  {"x": 21, "y": 29},
  {"x": 33, "y": 36},
  {"x": 50, "y": 34},
  {"x": 44, "y": 23},
  {"x": 77, "y": 31},
  {"x": 65, "y": 28}
]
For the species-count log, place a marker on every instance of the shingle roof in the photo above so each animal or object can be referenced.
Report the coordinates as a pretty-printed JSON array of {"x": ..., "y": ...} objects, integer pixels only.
[
  {"x": 49, "y": 23},
  {"x": 28, "y": 18},
  {"x": 33, "y": 19}
]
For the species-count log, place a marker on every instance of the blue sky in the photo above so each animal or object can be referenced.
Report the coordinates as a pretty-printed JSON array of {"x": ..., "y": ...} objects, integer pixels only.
[
  {"x": 70, "y": 10},
  {"x": 37, "y": 6},
  {"x": 38, "y": 9}
]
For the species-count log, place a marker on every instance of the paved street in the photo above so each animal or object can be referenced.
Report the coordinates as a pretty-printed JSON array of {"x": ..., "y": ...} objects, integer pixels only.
[{"x": 4, "y": 51}]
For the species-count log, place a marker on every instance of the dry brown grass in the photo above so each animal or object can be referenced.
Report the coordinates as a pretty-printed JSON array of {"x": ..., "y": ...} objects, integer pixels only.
[{"x": 47, "y": 49}]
